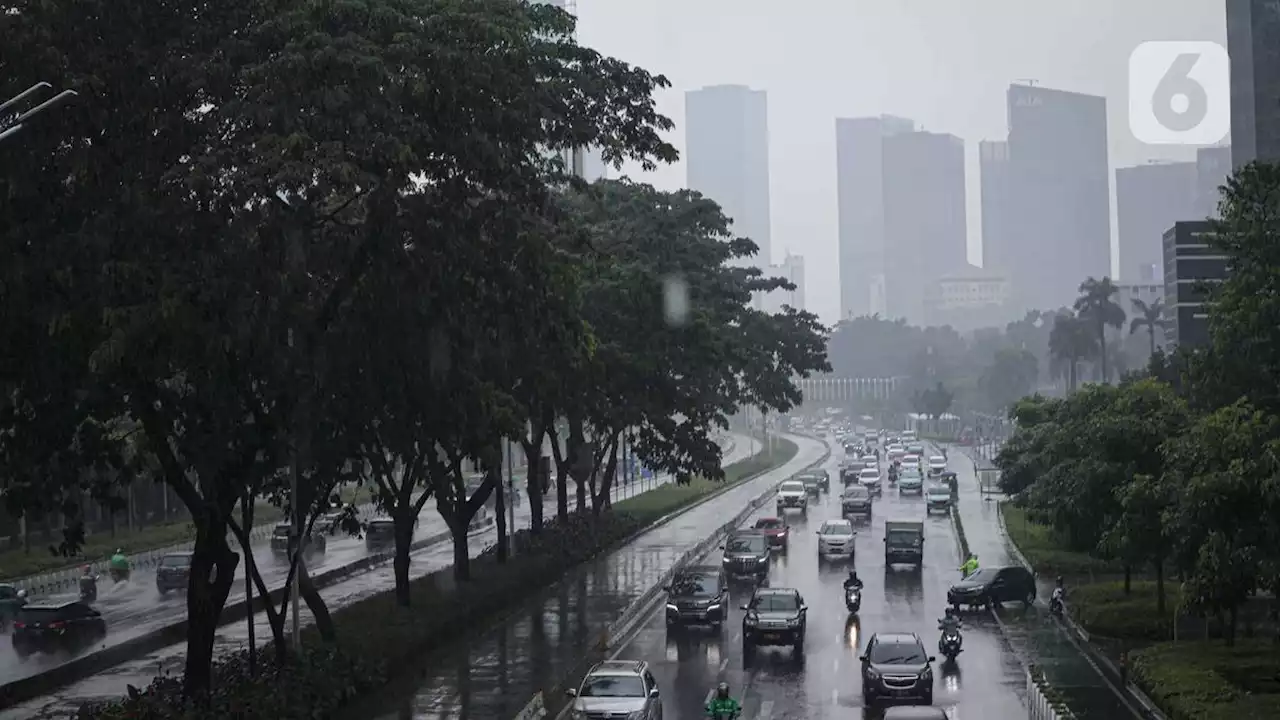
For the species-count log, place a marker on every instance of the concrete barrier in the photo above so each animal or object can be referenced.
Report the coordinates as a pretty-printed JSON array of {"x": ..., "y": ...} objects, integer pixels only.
[
  {"x": 89, "y": 664},
  {"x": 1040, "y": 704},
  {"x": 536, "y": 708}
]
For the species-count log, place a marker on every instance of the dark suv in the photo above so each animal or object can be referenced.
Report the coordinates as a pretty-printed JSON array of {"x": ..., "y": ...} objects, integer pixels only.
[
  {"x": 775, "y": 616},
  {"x": 896, "y": 667},
  {"x": 173, "y": 571},
  {"x": 56, "y": 626},
  {"x": 994, "y": 586},
  {"x": 380, "y": 534},
  {"x": 746, "y": 554},
  {"x": 698, "y": 594},
  {"x": 282, "y": 545}
]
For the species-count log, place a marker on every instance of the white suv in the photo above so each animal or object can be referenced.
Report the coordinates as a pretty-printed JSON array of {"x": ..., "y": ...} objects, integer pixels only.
[
  {"x": 869, "y": 478},
  {"x": 792, "y": 495},
  {"x": 617, "y": 689}
]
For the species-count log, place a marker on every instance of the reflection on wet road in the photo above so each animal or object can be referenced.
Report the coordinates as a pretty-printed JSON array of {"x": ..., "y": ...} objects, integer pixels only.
[
  {"x": 494, "y": 674},
  {"x": 985, "y": 682}
]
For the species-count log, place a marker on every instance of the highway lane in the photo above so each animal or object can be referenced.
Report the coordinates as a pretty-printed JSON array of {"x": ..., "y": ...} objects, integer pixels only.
[
  {"x": 986, "y": 681},
  {"x": 494, "y": 674},
  {"x": 230, "y": 638}
]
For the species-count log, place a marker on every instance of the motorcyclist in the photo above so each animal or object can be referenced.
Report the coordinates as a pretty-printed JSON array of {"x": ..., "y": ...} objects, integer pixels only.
[
  {"x": 721, "y": 705},
  {"x": 118, "y": 566},
  {"x": 88, "y": 583},
  {"x": 853, "y": 582},
  {"x": 949, "y": 622},
  {"x": 970, "y": 565},
  {"x": 1059, "y": 593}
]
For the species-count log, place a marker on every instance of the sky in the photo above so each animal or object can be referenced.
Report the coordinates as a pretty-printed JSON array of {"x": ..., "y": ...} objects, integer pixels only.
[{"x": 944, "y": 63}]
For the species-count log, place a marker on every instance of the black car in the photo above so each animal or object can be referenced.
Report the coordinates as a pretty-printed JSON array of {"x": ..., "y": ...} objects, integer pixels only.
[
  {"x": 849, "y": 474},
  {"x": 994, "y": 586},
  {"x": 698, "y": 594},
  {"x": 282, "y": 544},
  {"x": 855, "y": 500},
  {"x": 896, "y": 667},
  {"x": 173, "y": 571},
  {"x": 775, "y": 616},
  {"x": 56, "y": 626},
  {"x": 380, "y": 534},
  {"x": 746, "y": 554}
]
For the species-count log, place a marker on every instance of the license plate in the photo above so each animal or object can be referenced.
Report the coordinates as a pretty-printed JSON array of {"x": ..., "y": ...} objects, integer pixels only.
[{"x": 771, "y": 636}]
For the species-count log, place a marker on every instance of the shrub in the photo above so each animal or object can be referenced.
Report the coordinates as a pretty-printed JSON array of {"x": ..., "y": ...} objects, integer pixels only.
[
  {"x": 1210, "y": 681},
  {"x": 1103, "y": 609},
  {"x": 376, "y": 635},
  {"x": 1047, "y": 554}
]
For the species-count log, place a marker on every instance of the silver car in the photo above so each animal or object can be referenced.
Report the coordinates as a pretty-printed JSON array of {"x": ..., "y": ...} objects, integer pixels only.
[{"x": 617, "y": 689}]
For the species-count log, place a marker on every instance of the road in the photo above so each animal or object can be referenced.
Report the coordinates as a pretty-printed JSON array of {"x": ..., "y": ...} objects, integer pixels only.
[
  {"x": 140, "y": 672},
  {"x": 494, "y": 674}
]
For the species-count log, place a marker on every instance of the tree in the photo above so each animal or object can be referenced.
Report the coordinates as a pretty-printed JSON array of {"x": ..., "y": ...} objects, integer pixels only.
[
  {"x": 1097, "y": 307},
  {"x": 1012, "y": 374},
  {"x": 1070, "y": 342},
  {"x": 1150, "y": 317}
]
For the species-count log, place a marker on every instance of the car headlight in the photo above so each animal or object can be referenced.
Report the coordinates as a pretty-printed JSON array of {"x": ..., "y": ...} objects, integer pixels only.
[
  {"x": 713, "y": 606},
  {"x": 762, "y": 560},
  {"x": 752, "y": 620},
  {"x": 637, "y": 715},
  {"x": 725, "y": 561},
  {"x": 672, "y": 607},
  {"x": 871, "y": 674},
  {"x": 578, "y": 715},
  {"x": 794, "y": 622}
]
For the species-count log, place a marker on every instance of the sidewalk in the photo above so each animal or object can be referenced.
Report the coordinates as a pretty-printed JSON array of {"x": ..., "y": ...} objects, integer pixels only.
[{"x": 1032, "y": 633}]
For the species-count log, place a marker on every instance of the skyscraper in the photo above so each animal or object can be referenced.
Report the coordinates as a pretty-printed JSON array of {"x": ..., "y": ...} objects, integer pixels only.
[
  {"x": 997, "y": 241},
  {"x": 1059, "y": 190},
  {"x": 1213, "y": 165},
  {"x": 727, "y": 158},
  {"x": 1253, "y": 40},
  {"x": 860, "y": 199},
  {"x": 1149, "y": 200},
  {"x": 924, "y": 217}
]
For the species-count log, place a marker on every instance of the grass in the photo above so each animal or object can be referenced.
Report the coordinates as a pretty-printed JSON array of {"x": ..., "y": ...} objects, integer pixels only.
[
  {"x": 1206, "y": 680},
  {"x": 1047, "y": 554},
  {"x": 672, "y": 496}
]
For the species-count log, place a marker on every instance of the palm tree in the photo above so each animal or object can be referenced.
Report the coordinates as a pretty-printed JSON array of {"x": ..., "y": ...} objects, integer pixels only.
[
  {"x": 1070, "y": 342},
  {"x": 1150, "y": 317},
  {"x": 1096, "y": 307}
]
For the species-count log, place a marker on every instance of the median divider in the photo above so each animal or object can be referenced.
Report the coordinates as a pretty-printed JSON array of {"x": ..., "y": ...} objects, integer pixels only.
[
  {"x": 639, "y": 608},
  {"x": 82, "y": 667}
]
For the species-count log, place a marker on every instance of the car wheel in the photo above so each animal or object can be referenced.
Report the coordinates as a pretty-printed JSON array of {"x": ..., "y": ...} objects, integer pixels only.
[
  {"x": 1030, "y": 598},
  {"x": 928, "y": 698}
]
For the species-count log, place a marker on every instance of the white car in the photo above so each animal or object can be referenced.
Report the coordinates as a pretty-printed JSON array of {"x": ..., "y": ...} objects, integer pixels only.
[
  {"x": 911, "y": 461},
  {"x": 937, "y": 464},
  {"x": 869, "y": 478},
  {"x": 835, "y": 539},
  {"x": 792, "y": 495}
]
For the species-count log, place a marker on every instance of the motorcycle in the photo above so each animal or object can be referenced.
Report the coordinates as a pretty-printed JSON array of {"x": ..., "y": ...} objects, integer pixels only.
[
  {"x": 853, "y": 599},
  {"x": 89, "y": 588},
  {"x": 949, "y": 644},
  {"x": 118, "y": 574},
  {"x": 1055, "y": 604},
  {"x": 724, "y": 715}
]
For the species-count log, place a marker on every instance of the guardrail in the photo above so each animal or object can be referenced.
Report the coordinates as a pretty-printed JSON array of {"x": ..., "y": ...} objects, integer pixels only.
[
  {"x": 1042, "y": 701},
  {"x": 537, "y": 708},
  {"x": 639, "y": 608}
]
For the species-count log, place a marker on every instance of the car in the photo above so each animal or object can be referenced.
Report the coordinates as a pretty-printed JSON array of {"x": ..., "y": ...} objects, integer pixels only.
[
  {"x": 792, "y": 496},
  {"x": 811, "y": 485},
  {"x": 870, "y": 436},
  {"x": 991, "y": 586},
  {"x": 937, "y": 464},
  {"x": 910, "y": 482},
  {"x": 380, "y": 534},
  {"x": 746, "y": 554},
  {"x": 776, "y": 529},
  {"x": 908, "y": 435},
  {"x": 855, "y": 500},
  {"x": 617, "y": 688},
  {"x": 916, "y": 449},
  {"x": 11, "y": 601},
  {"x": 937, "y": 497},
  {"x": 896, "y": 667},
  {"x": 869, "y": 478},
  {"x": 282, "y": 543},
  {"x": 870, "y": 461},
  {"x": 824, "y": 479},
  {"x": 775, "y": 616},
  {"x": 914, "y": 712},
  {"x": 48, "y": 627},
  {"x": 698, "y": 594},
  {"x": 835, "y": 539},
  {"x": 173, "y": 572}
]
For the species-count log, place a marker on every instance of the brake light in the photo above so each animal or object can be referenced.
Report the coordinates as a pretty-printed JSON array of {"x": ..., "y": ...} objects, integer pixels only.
[
  {"x": 57, "y": 625},
  {"x": 19, "y": 625}
]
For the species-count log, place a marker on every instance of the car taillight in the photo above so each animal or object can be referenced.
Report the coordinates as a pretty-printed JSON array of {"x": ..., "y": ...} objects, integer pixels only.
[
  {"x": 59, "y": 625},
  {"x": 19, "y": 625}
]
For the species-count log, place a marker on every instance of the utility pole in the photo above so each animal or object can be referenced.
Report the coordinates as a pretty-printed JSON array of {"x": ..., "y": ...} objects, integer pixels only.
[
  {"x": 295, "y": 514},
  {"x": 11, "y": 126},
  {"x": 511, "y": 502}
]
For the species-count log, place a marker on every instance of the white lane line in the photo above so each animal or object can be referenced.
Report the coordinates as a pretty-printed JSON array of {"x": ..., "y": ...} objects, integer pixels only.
[
  {"x": 835, "y": 697},
  {"x": 835, "y": 665},
  {"x": 724, "y": 664},
  {"x": 766, "y": 710},
  {"x": 710, "y": 694}
]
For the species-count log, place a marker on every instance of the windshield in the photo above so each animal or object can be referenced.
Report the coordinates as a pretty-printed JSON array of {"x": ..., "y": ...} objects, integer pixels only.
[
  {"x": 176, "y": 561},
  {"x": 612, "y": 686},
  {"x": 898, "y": 654},
  {"x": 776, "y": 603},
  {"x": 902, "y": 538},
  {"x": 696, "y": 585},
  {"x": 837, "y": 529},
  {"x": 790, "y": 486},
  {"x": 281, "y": 531},
  {"x": 985, "y": 575},
  {"x": 939, "y": 490},
  {"x": 870, "y": 473},
  {"x": 382, "y": 527},
  {"x": 856, "y": 493},
  {"x": 745, "y": 544},
  {"x": 768, "y": 524}
]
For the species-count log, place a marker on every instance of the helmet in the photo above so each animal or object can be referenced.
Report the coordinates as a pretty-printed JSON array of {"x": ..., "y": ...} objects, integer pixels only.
[
  {"x": 950, "y": 611},
  {"x": 22, "y": 594},
  {"x": 119, "y": 551},
  {"x": 722, "y": 691},
  {"x": 85, "y": 569},
  {"x": 1059, "y": 579}
]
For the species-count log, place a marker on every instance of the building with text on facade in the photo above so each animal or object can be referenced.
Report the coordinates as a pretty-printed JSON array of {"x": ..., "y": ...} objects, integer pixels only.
[{"x": 1191, "y": 263}]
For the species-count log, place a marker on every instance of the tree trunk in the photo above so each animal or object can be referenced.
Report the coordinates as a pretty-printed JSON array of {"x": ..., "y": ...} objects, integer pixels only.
[
  {"x": 461, "y": 551},
  {"x": 500, "y": 508},
  {"x": 1233, "y": 618},
  {"x": 319, "y": 611},
  {"x": 213, "y": 570},
  {"x": 1160, "y": 606},
  {"x": 1102, "y": 351},
  {"x": 404, "y": 539},
  {"x": 1151, "y": 330},
  {"x": 1128, "y": 578},
  {"x": 603, "y": 496}
]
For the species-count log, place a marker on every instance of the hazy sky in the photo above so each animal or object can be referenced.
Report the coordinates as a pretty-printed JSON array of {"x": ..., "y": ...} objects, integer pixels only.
[{"x": 944, "y": 63}]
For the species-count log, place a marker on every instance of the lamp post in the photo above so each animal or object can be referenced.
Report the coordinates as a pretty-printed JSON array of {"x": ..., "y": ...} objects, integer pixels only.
[{"x": 14, "y": 125}]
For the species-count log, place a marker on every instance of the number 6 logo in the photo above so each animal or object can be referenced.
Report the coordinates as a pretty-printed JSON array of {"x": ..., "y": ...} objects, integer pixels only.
[{"x": 1179, "y": 93}]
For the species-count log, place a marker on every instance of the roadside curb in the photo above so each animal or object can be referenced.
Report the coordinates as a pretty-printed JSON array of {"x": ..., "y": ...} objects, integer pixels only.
[
  {"x": 620, "y": 629},
  {"x": 35, "y": 686}
]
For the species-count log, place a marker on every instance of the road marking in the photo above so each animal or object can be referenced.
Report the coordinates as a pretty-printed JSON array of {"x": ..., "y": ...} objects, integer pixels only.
[
  {"x": 766, "y": 710},
  {"x": 835, "y": 665},
  {"x": 710, "y": 694},
  {"x": 835, "y": 697},
  {"x": 724, "y": 664}
]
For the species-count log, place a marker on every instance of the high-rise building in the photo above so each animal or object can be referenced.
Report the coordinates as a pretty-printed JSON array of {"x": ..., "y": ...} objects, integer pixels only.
[
  {"x": 924, "y": 217},
  {"x": 727, "y": 158},
  {"x": 1190, "y": 263},
  {"x": 1060, "y": 194},
  {"x": 1149, "y": 200},
  {"x": 1253, "y": 40},
  {"x": 791, "y": 268},
  {"x": 997, "y": 240},
  {"x": 1213, "y": 165},
  {"x": 860, "y": 200}
]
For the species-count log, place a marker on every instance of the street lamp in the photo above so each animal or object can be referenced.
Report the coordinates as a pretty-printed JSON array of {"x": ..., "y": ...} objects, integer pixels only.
[{"x": 13, "y": 125}]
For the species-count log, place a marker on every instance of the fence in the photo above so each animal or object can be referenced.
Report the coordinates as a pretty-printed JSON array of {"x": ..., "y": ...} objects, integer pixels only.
[{"x": 1043, "y": 702}]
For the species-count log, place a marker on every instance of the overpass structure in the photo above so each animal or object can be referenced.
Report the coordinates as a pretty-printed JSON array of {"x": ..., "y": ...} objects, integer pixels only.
[{"x": 834, "y": 389}]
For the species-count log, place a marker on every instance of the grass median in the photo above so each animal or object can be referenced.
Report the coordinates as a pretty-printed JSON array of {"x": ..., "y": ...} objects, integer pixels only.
[{"x": 376, "y": 636}]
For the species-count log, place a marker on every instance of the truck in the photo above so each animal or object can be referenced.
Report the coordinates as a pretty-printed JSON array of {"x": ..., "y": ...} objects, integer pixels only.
[{"x": 904, "y": 542}]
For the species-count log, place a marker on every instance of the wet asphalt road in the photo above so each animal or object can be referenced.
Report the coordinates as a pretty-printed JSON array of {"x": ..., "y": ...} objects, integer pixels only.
[
  {"x": 139, "y": 673},
  {"x": 985, "y": 682},
  {"x": 494, "y": 674}
]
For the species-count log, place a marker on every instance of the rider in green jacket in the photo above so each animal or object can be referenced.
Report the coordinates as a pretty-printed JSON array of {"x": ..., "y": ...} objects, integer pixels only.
[
  {"x": 721, "y": 705},
  {"x": 119, "y": 561}
]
